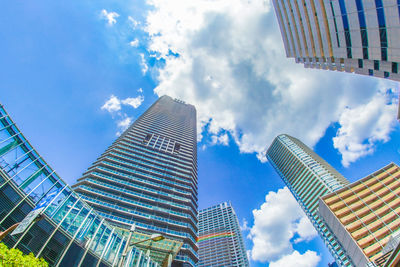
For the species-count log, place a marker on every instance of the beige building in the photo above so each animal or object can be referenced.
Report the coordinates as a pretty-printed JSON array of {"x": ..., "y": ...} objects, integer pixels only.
[
  {"x": 360, "y": 36},
  {"x": 365, "y": 217}
]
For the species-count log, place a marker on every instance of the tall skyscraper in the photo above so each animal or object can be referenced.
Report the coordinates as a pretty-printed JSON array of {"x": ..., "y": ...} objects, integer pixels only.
[
  {"x": 365, "y": 216},
  {"x": 308, "y": 177},
  {"x": 220, "y": 240},
  {"x": 361, "y": 36},
  {"x": 148, "y": 177}
]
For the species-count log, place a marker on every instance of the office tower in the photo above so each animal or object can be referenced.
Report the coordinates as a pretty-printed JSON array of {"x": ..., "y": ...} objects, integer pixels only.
[
  {"x": 220, "y": 240},
  {"x": 148, "y": 177},
  {"x": 365, "y": 215},
  {"x": 308, "y": 177},
  {"x": 70, "y": 233},
  {"x": 361, "y": 36}
]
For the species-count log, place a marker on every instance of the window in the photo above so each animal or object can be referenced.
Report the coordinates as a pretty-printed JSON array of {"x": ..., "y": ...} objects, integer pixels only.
[
  {"x": 376, "y": 65},
  {"x": 395, "y": 66},
  {"x": 360, "y": 63},
  {"x": 177, "y": 147},
  {"x": 386, "y": 74}
]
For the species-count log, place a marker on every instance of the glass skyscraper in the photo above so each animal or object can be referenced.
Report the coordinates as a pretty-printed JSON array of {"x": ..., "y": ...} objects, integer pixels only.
[
  {"x": 361, "y": 36},
  {"x": 308, "y": 177},
  {"x": 148, "y": 177},
  {"x": 220, "y": 240}
]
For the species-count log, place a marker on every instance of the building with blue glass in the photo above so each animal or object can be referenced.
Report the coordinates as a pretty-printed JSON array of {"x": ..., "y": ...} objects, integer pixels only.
[
  {"x": 148, "y": 177},
  {"x": 71, "y": 232},
  {"x": 308, "y": 177},
  {"x": 360, "y": 36},
  {"x": 220, "y": 239}
]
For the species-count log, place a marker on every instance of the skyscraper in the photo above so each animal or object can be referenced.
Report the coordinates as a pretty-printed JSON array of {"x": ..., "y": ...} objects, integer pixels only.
[
  {"x": 361, "y": 36},
  {"x": 148, "y": 177},
  {"x": 220, "y": 240},
  {"x": 308, "y": 177},
  {"x": 365, "y": 216}
]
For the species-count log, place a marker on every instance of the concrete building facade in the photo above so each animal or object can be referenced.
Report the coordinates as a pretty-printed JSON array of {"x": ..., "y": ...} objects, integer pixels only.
[
  {"x": 220, "y": 240},
  {"x": 360, "y": 36},
  {"x": 308, "y": 177},
  {"x": 365, "y": 216},
  {"x": 148, "y": 177}
]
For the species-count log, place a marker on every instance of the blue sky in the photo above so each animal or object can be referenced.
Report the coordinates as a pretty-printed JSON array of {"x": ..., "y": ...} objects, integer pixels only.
[{"x": 62, "y": 62}]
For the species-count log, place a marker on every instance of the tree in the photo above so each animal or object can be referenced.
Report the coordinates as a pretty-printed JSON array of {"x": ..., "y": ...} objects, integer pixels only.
[{"x": 15, "y": 257}]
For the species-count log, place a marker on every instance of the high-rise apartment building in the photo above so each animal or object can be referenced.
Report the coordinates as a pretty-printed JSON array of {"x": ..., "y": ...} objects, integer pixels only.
[
  {"x": 148, "y": 177},
  {"x": 365, "y": 216},
  {"x": 308, "y": 177},
  {"x": 361, "y": 36},
  {"x": 220, "y": 240}
]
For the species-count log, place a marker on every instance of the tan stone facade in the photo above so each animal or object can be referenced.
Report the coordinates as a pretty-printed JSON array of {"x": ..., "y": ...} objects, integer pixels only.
[{"x": 365, "y": 214}]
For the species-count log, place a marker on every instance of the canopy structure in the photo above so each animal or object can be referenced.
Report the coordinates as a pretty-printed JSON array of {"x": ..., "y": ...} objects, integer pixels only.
[{"x": 162, "y": 252}]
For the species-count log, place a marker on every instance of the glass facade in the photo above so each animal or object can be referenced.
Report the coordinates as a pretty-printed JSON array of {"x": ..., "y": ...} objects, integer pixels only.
[
  {"x": 220, "y": 239},
  {"x": 308, "y": 177},
  {"x": 148, "y": 177},
  {"x": 71, "y": 233}
]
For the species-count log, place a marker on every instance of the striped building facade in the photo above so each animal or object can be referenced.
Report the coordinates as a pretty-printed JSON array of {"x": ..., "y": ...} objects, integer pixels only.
[
  {"x": 220, "y": 240},
  {"x": 308, "y": 177},
  {"x": 148, "y": 177},
  {"x": 360, "y": 36},
  {"x": 365, "y": 216}
]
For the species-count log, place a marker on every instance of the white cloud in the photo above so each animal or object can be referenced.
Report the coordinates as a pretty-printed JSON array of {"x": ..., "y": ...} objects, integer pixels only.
[
  {"x": 134, "y": 102},
  {"x": 134, "y": 22},
  {"x": 245, "y": 225},
  {"x": 124, "y": 124},
  {"x": 113, "y": 104},
  {"x": 308, "y": 259},
  {"x": 134, "y": 43},
  {"x": 276, "y": 223},
  {"x": 233, "y": 68},
  {"x": 110, "y": 17},
  {"x": 222, "y": 139},
  {"x": 143, "y": 64},
  {"x": 140, "y": 90},
  {"x": 365, "y": 126}
]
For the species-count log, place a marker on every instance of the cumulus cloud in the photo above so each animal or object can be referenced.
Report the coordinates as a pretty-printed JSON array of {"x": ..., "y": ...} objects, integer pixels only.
[
  {"x": 222, "y": 139},
  {"x": 308, "y": 259},
  {"x": 143, "y": 64},
  {"x": 134, "y": 102},
  {"x": 134, "y": 22},
  {"x": 113, "y": 104},
  {"x": 276, "y": 223},
  {"x": 227, "y": 58},
  {"x": 110, "y": 17},
  {"x": 364, "y": 126},
  {"x": 124, "y": 124},
  {"x": 134, "y": 43}
]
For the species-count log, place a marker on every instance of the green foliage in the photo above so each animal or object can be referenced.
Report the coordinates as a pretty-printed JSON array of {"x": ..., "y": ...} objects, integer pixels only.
[{"x": 15, "y": 257}]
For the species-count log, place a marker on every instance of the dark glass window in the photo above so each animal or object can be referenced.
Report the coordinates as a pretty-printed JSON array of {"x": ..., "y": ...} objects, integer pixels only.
[
  {"x": 395, "y": 65},
  {"x": 376, "y": 65},
  {"x": 345, "y": 20},
  {"x": 370, "y": 72},
  {"x": 386, "y": 74},
  {"x": 360, "y": 63},
  {"x": 349, "y": 55},
  {"x": 364, "y": 37},
  {"x": 384, "y": 53},
  {"x": 365, "y": 53}
]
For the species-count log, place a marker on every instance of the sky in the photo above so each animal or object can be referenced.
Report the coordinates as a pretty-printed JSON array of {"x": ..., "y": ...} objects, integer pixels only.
[{"x": 75, "y": 74}]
